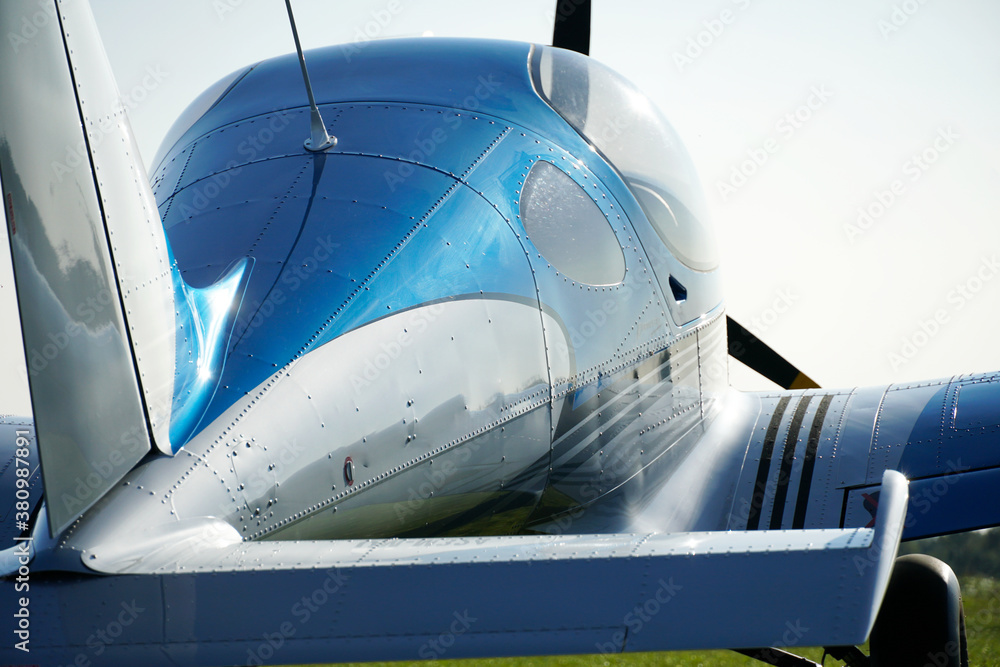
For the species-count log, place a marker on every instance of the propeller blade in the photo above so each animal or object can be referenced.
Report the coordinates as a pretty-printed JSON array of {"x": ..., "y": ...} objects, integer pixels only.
[
  {"x": 572, "y": 26},
  {"x": 758, "y": 356}
]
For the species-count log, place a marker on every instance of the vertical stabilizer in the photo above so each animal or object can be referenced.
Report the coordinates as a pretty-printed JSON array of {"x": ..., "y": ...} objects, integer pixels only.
[{"x": 93, "y": 271}]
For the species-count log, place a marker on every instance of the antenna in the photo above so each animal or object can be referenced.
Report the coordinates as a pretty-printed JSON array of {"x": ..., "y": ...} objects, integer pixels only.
[{"x": 320, "y": 140}]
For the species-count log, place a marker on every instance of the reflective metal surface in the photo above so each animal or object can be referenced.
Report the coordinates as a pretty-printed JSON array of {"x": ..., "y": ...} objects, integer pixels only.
[
  {"x": 351, "y": 599},
  {"x": 204, "y": 327},
  {"x": 74, "y": 328},
  {"x": 369, "y": 343},
  {"x": 142, "y": 261},
  {"x": 815, "y": 458}
]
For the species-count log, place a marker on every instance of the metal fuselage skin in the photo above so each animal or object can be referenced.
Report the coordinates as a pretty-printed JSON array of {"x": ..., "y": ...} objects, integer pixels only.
[
  {"x": 491, "y": 309},
  {"x": 405, "y": 360}
]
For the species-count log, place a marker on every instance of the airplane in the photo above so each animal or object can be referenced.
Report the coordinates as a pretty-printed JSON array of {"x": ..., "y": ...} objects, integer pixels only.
[{"x": 391, "y": 388}]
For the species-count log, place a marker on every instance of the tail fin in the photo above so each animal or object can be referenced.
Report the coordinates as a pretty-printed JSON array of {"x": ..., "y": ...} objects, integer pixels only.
[{"x": 95, "y": 282}]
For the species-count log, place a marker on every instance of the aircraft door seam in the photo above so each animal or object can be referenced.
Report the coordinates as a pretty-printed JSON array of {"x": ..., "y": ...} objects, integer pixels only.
[
  {"x": 551, "y": 399},
  {"x": 635, "y": 325}
]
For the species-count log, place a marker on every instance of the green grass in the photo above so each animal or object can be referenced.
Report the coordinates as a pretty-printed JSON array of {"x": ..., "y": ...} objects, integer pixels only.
[
  {"x": 981, "y": 597},
  {"x": 675, "y": 659}
]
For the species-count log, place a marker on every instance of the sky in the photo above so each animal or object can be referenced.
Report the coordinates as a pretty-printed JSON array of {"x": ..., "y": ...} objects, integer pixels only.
[{"x": 848, "y": 150}]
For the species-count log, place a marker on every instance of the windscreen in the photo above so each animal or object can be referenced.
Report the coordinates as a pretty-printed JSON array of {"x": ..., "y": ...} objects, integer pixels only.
[{"x": 635, "y": 138}]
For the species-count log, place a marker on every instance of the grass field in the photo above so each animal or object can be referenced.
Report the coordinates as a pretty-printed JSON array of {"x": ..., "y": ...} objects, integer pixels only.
[{"x": 982, "y": 608}]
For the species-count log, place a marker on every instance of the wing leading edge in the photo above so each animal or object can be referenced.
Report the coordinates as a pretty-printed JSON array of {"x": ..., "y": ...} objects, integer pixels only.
[{"x": 369, "y": 600}]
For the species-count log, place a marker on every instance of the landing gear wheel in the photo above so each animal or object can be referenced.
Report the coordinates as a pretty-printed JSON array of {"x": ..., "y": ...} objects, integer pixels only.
[{"x": 921, "y": 621}]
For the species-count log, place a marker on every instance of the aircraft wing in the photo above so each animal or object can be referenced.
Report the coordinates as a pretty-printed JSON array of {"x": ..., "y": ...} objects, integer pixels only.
[
  {"x": 815, "y": 459},
  {"x": 195, "y": 600},
  {"x": 793, "y": 460},
  {"x": 192, "y": 592}
]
